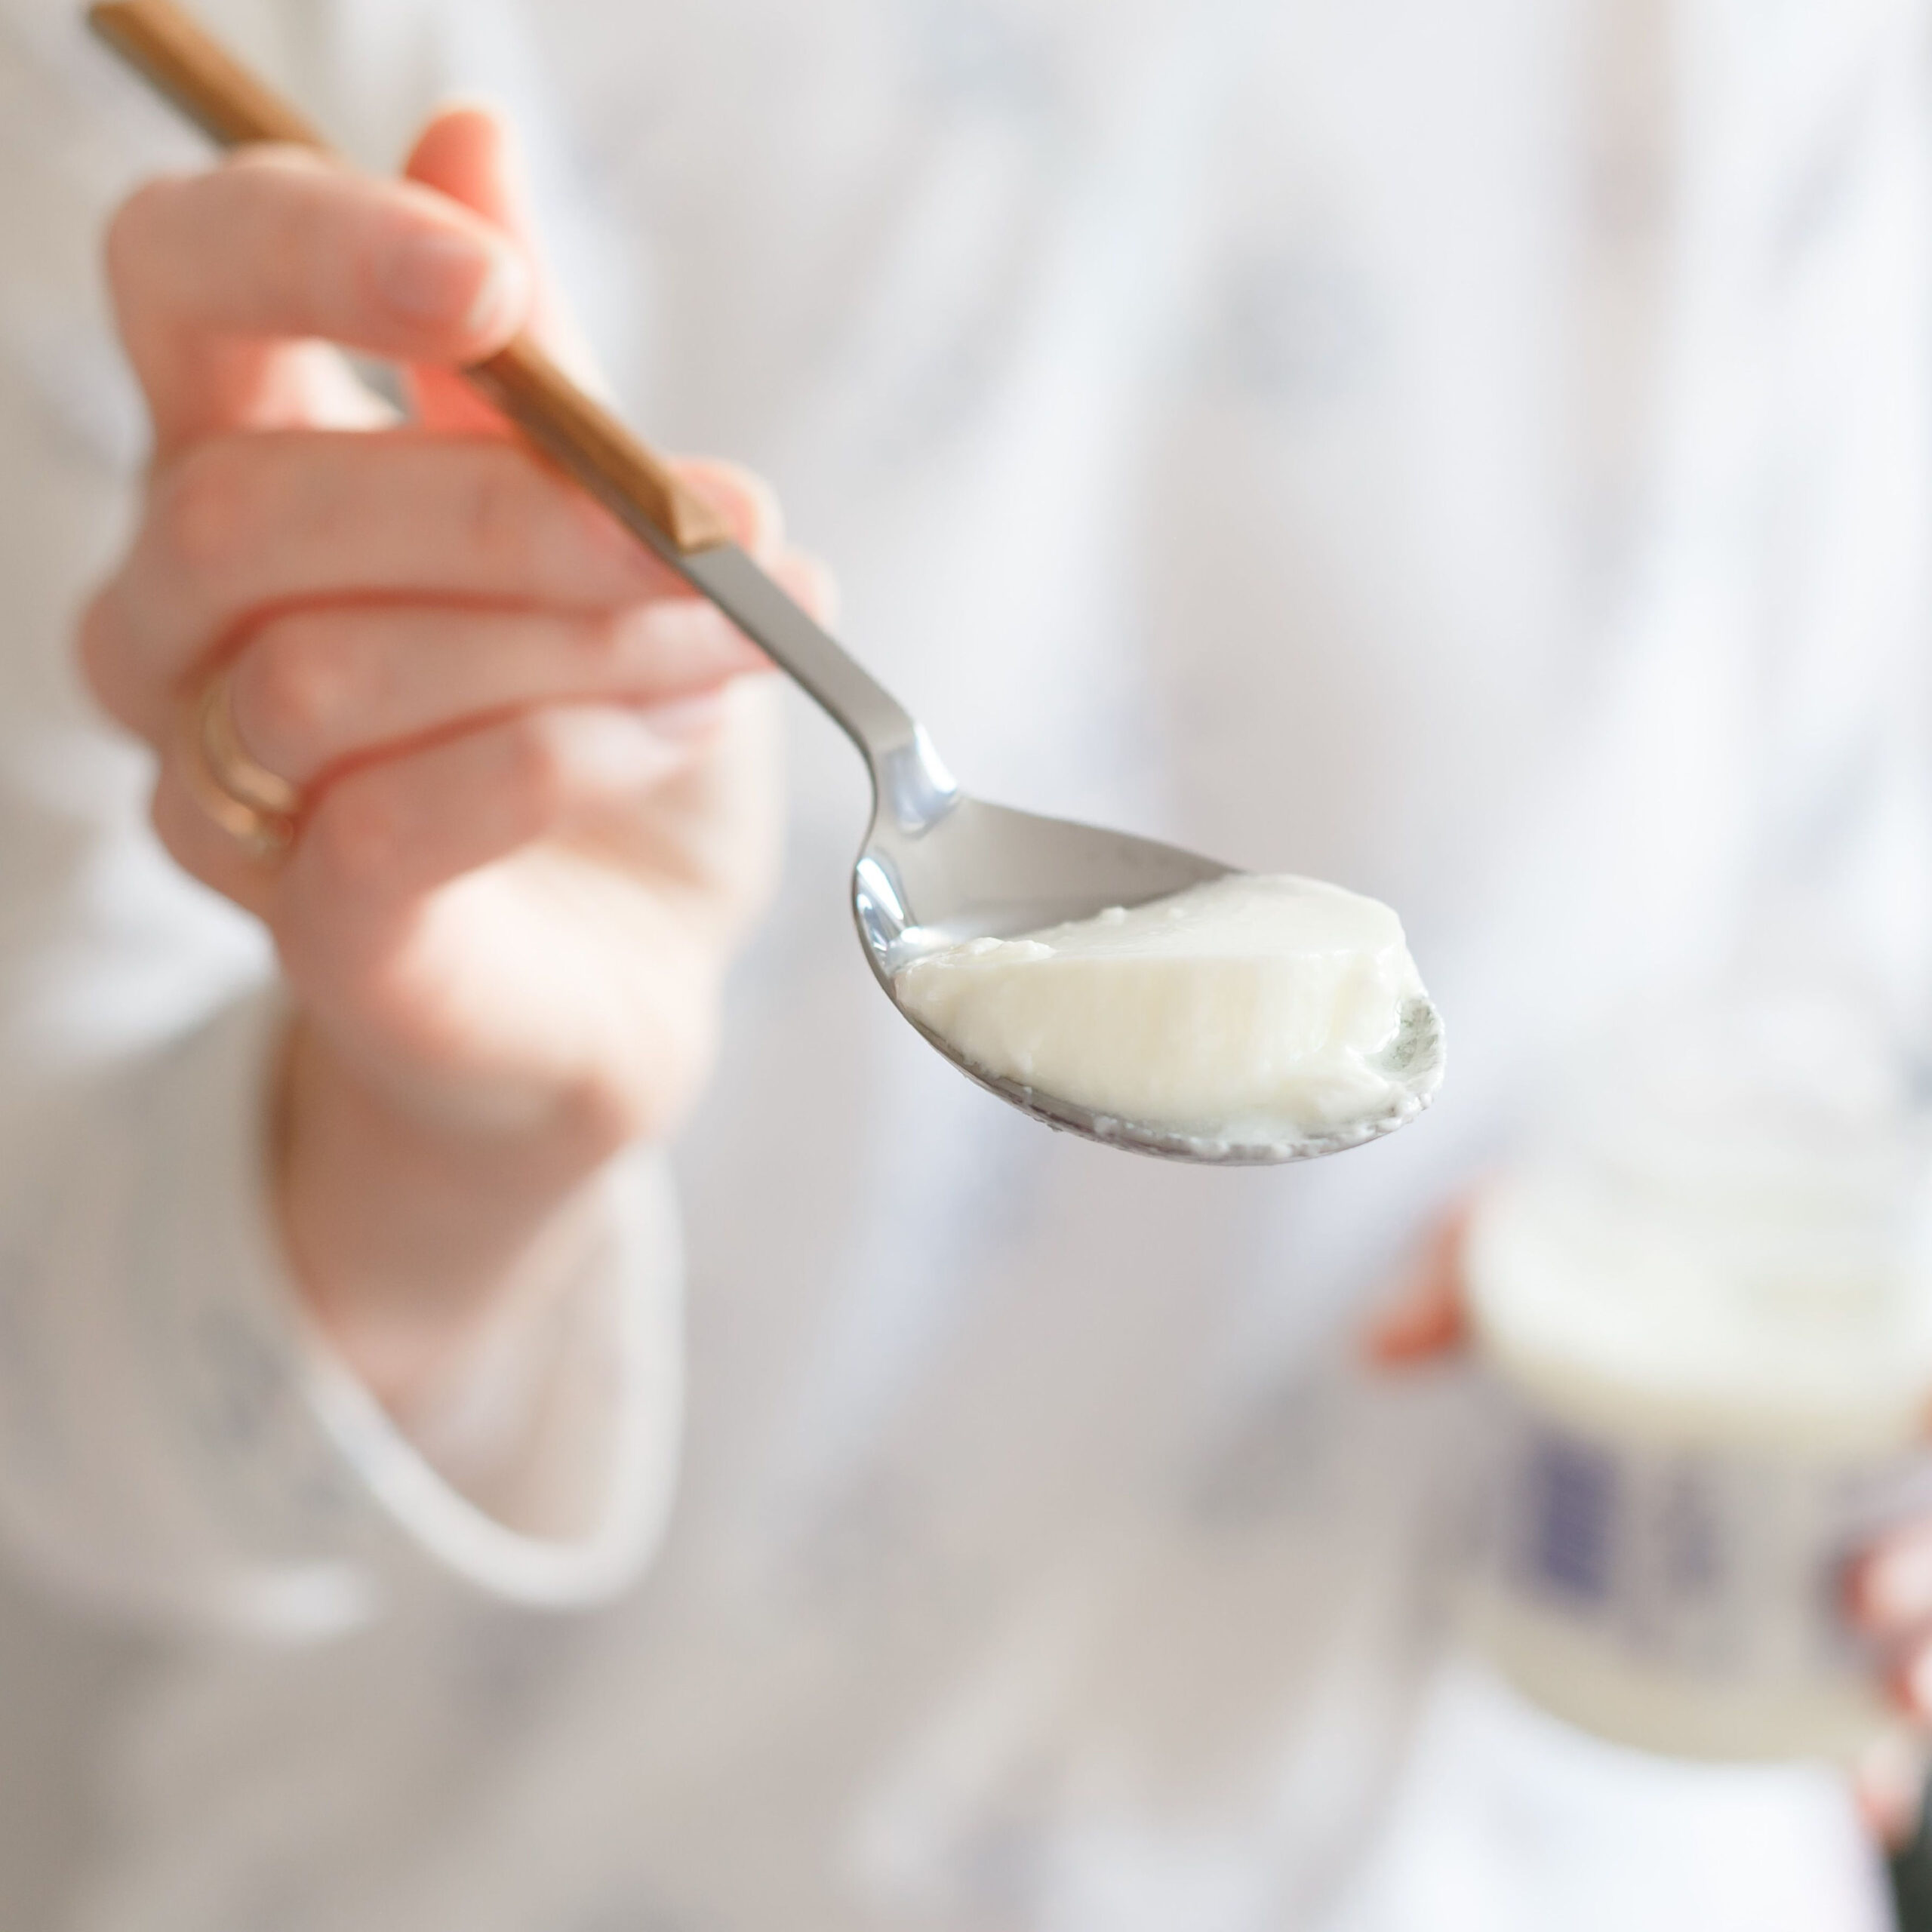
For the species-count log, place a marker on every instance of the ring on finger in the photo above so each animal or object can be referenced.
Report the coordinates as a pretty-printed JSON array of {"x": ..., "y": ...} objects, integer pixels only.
[{"x": 254, "y": 806}]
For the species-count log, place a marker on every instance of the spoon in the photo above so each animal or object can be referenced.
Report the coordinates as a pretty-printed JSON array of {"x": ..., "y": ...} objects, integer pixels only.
[{"x": 938, "y": 866}]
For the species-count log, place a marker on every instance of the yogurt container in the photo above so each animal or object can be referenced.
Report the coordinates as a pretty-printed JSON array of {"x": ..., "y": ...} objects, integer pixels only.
[{"x": 1706, "y": 1306}]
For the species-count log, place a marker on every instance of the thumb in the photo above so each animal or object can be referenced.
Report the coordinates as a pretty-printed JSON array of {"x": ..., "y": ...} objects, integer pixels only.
[
  {"x": 1888, "y": 1782},
  {"x": 469, "y": 154},
  {"x": 1427, "y": 1319}
]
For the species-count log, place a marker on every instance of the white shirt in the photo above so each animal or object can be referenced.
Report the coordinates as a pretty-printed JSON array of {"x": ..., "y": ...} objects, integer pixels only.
[{"x": 1481, "y": 459}]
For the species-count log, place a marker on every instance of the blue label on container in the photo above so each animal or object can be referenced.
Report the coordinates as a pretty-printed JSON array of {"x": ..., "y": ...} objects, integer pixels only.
[
  {"x": 1726, "y": 1563},
  {"x": 1570, "y": 1518}
]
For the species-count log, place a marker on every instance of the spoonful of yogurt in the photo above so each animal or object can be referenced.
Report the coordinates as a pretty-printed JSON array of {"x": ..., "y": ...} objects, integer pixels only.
[
  {"x": 1246, "y": 1019},
  {"x": 1110, "y": 985},
  {"x": 1107, "y": 985}
]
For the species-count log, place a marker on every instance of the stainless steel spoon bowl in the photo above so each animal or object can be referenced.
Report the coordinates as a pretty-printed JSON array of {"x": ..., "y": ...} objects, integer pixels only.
[{"x": 937, "y": 866}]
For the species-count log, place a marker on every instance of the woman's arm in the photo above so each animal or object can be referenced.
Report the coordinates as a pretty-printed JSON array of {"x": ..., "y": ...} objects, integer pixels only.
[{"x": 537, "y": 810}]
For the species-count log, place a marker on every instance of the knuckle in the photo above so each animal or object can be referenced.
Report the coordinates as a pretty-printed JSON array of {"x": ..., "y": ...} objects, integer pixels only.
[
  {"x": 502, "y": 510},
  {"x": 766, "y": 530},
  {"x": 269, "y": 195},
  {"x": 296, "y": 247},
  {"x": 527, "y": 528},
  {"x": 747, "y": 499},
  {"x": 356, "y": 834},
  {"x": 540, "y": 765},
  {"x": 290, "y": 689},
  {"x": 206, "y": 508},
  {"x": 606, "y": 635}
]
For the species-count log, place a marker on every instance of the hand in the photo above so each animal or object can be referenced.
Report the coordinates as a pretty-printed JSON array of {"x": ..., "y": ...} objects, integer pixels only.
[
  {"x": 1427, "y": 1316},
  {"x": 538, "y": 790},
  {"x": 1888, "y": 1587},
  {"x": 1888, "y": 1593}
]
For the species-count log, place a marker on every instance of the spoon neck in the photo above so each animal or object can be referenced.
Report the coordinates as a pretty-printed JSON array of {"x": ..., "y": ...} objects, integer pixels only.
[{"x": 911, "y": 785}]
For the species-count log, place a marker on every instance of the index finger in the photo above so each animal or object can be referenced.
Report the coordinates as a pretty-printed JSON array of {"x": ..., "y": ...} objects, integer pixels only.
[{"x": 217, "y": 277}]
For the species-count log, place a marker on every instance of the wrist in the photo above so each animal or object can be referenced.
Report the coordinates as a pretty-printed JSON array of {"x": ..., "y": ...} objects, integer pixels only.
[{"x": 415, "y": 1237}]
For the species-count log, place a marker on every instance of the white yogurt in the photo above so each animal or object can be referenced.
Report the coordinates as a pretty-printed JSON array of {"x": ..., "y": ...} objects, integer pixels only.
[
  {"x": 1707, "y": 1307},
  {"x": 1253, "y": 1010}
]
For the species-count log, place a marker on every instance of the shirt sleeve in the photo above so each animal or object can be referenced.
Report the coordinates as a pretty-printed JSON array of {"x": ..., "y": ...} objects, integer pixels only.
[{"x": 174, "y": 1442}]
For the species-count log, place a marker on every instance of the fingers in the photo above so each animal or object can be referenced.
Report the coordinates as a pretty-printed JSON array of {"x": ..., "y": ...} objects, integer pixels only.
[
  {"x": 808, "y": 582},
  {"x": 1891, "y": 1587},
  {"x": 468, "y": 154},
  {"x": 1429, "y": 1317},
  {"x": 1888, "y": 1595},
  {"x": 389, "y": 832},
  {"x": 1889, "y": 1784},
  {"x": 215, "y": 274},
  {"x": 748, "y": 501},
  {"x": 241, "y": 525},
  {"x": 316, "y": 689},
  {"x": 241, "y": 528},
  {"x": 193, "y": 840},
  {"x": 224, "y": 281}
]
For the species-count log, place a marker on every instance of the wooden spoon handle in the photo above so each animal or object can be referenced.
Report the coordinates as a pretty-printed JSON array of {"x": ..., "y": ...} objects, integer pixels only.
[{"x": 183, "y": 61}]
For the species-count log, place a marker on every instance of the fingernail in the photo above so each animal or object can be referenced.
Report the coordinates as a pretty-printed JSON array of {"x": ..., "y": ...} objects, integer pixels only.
[{"x": 443, "y": 275}]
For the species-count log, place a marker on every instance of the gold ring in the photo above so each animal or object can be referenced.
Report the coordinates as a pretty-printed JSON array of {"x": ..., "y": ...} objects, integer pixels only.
[{"x": 251, "y": 804}]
